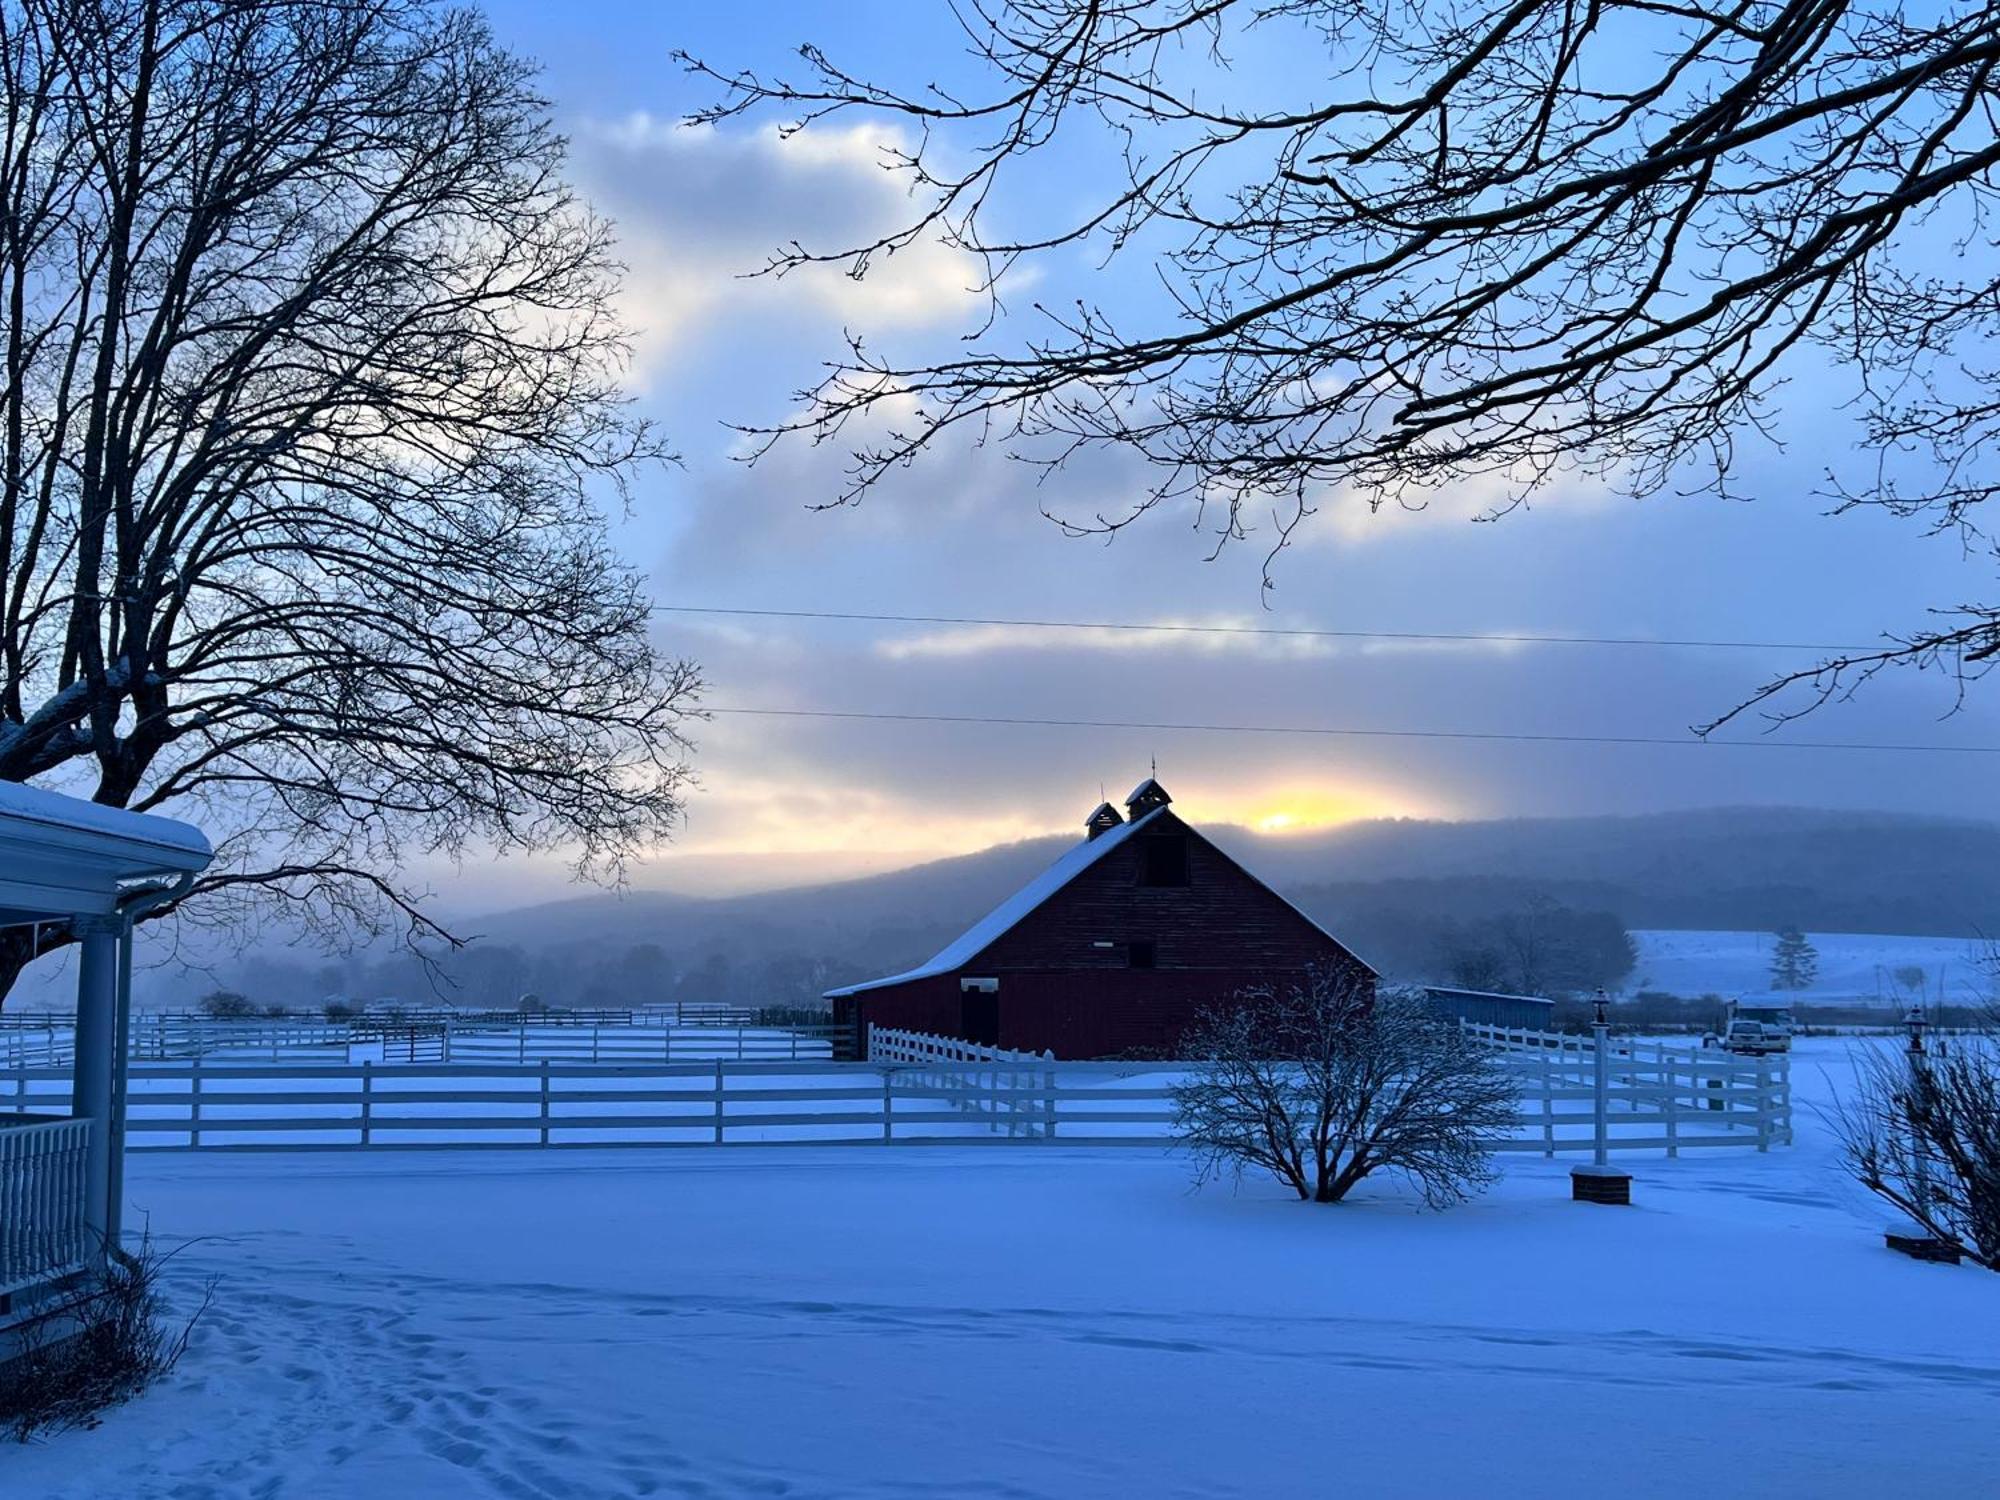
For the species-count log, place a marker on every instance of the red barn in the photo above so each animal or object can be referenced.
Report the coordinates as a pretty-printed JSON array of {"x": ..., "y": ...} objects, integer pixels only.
[{"x": 1113, "y": 948}]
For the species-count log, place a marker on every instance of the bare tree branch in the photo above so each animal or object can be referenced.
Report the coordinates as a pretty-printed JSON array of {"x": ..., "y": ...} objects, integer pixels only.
[
  {"x": 1513, "y": 242},
  {"x": 311, "y": 401}
]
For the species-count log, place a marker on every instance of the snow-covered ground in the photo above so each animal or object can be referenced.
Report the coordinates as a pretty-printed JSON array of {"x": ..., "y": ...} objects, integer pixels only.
[
  {"x": 1852, "y": 966},
  {"x": 869, "y": 1322}
]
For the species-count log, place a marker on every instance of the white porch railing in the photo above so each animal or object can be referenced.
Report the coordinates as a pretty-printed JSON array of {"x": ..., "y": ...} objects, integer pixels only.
[{"x": 42, "y": 1232}]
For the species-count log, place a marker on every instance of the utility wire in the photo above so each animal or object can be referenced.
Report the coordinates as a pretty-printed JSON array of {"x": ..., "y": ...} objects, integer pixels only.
[
  {"x": 1496, "y": 638},
  {"x": 1356, "y": 733}
]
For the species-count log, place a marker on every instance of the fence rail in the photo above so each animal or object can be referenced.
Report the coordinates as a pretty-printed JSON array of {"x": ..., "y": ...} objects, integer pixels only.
[
  {"x": 190, "y": 1103},
  {"x": 44, "y": 1046},
  {"x": 980, "y": 1090},
  {"x": 1677, "y": 1091},
  {"x": 42, "y": 1232}
]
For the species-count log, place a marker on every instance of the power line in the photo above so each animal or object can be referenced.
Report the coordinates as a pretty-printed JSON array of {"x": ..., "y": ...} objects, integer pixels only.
[
  {"x": 1494, "y": 638},
  {"x": 1345, "y": 731}
]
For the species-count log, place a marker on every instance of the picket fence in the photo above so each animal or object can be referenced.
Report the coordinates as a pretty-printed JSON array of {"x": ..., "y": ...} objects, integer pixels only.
[{"x": 975, "y": 1077}]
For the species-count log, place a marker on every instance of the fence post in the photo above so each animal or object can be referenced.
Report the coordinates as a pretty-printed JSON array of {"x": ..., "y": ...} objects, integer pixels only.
[
  {"x": 367, "y": 1101},
  {"x": 1785, "y": 1110},
  {"x": 888, "y": 1075},
  {"x": 1673, "y": 1110},
  {"x": 1049, "y": 1090},
  {"x": 522, "y": 1056},
  {"x": 596, "y": 1033},
  {"x": 1548, "y": 1110},
  {"x": 1763, "y": 1105},
  {"x": 545, "y": 1101},
  {"x": 718, "y": 1101},
  {"x": 194, "y": 1100},
  {"x": 445, "y": 1042}
]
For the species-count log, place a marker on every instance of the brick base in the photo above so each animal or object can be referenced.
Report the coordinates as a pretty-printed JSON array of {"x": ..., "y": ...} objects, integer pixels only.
[
  {"x": 1600, "y": 1185},
  {"x": 1914, "y": 1243}
]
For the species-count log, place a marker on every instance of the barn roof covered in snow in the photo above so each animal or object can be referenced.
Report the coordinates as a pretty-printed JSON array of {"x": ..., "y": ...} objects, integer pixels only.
[{"x": 988, "y": 930}]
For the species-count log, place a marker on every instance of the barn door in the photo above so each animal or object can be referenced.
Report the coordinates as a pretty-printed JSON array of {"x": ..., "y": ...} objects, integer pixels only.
[{"x": 979, "y": 1017}]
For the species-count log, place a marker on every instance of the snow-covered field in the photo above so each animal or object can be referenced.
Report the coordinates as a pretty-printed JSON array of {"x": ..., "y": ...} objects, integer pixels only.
[
  {"x": 847, "y": 1322},
  {"x": 1852, "y": 966}
]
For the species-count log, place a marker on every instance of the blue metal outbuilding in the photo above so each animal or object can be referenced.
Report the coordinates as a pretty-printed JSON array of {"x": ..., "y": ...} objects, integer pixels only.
[{"x": 1485, "y": 1008}]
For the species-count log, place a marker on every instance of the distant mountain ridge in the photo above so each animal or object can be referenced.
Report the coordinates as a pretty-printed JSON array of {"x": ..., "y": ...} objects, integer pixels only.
[
  {"x": 1409, "y": 896},
  {"x": 1732, "y": 868}
]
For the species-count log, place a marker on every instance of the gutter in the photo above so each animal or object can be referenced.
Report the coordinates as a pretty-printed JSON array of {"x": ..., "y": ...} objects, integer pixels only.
[{"x": 131, "y": 910}]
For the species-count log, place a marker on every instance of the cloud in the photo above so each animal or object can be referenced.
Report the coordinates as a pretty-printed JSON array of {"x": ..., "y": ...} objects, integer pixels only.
[
  {"x": 1223, "y": 636},
  {"x": 1208, "y": 637},
  {"x": 1343, "y": 515},
  {"x": 699, "y": 210}
]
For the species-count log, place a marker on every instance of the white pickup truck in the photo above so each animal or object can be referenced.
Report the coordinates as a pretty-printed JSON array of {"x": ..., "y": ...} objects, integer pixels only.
[{"x": 1757, "y": 1030}]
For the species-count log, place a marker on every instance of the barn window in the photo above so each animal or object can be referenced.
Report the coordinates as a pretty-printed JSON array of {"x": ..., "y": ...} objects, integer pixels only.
[
  {"x": 1163, "y": 860},
  {"x": 1141, "y": 955}
]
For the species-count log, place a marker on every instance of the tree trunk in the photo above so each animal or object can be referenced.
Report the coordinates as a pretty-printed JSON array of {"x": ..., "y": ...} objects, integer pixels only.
[{"x": 19, "y": 948}]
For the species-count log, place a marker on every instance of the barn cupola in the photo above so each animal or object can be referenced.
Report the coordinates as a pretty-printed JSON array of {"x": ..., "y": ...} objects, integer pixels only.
[
  {"x": 1103, "y": 820},
  {"x": 1147, "y": 796}
]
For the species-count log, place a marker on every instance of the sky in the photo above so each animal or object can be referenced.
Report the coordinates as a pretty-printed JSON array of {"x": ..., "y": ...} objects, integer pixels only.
[{"x": 784, "y": 799}]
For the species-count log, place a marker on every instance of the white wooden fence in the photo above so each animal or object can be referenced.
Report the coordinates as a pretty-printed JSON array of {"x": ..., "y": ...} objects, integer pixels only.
[
  {"x": 157, "y": 1038},
  {"x": 32, "y": 1046},
  {"x": 979, "y": 1080},
  {"x": 1681, "y": 1103},
  {"x": 42, "y": 1165},
  {"x": 1662, "y": 1097}
]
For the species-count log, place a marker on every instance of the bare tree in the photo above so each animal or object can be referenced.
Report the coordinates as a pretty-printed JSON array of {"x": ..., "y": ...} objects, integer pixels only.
[
  {"x": 1497, "y": 242},
  {"x": 310, "y": 404},
  {"x": 1325, "y": 1082},
  {"x": 1923, "y": 1133}
]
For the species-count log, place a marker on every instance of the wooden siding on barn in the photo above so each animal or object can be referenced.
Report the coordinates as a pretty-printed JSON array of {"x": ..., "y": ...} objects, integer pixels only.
[
  {"x": 1223, "y": 918},
  {"x": 1067, "y": 981}
]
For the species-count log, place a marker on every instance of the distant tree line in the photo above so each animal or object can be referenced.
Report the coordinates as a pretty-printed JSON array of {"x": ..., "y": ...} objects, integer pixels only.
[
  {"x": 498, "y": 976},
  {"x": 1479, "y": 934},
  {"x": 1490, "y": 934}
]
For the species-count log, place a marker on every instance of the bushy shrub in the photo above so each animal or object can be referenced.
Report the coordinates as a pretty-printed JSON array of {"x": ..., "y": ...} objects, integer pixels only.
[
  {"x": 93, "y": 1349},
  {"x": 227, "y": 1005},
  {"x": 1325, "y": 1082}
]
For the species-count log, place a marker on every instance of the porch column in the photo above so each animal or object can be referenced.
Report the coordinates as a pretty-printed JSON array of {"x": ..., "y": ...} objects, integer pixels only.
[{"x": 96, "y": 1065}]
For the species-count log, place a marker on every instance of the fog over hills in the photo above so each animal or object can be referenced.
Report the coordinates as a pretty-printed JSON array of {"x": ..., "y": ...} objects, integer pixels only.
[
  {"x": 1748, "y": 868},
  {"x": 1401, "y": 893},
  {"x": 1740, "y": 868}
]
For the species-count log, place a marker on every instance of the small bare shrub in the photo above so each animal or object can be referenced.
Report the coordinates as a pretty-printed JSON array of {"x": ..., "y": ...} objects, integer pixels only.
[
  {"x": 1924, "y": 1135},
  {"x": 95, "y": 1348},
  {"x": 1324, "y": 1082}
]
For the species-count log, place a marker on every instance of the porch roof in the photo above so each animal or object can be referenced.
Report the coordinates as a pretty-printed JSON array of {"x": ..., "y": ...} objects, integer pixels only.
[{"x": 62, "y": 856}]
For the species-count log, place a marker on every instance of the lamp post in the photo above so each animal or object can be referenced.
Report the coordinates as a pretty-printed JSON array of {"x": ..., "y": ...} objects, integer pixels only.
[
  {"x": 1600, "y": 1031},
  {"x": 1915, "y": 1239},
  {"x": 1600, "y": 1182},
  {"x": 1919, "y": 1084}
]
